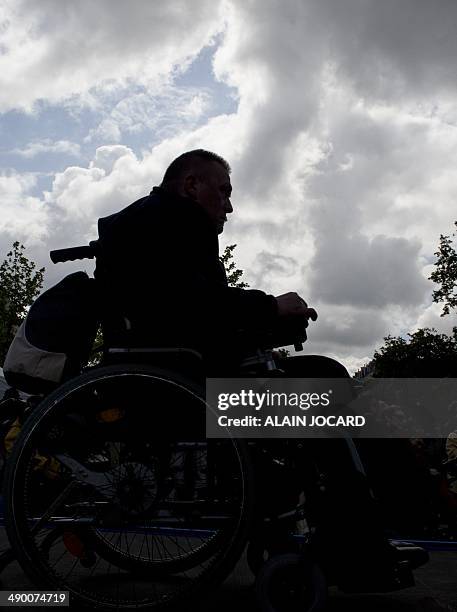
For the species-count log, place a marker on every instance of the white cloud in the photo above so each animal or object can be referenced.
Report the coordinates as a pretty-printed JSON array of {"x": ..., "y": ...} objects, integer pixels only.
[
  {"x": 23, "y": 217},
  {"x": 108, "y": 130},
  {"x": 53, "y": 50},
  {"x": 431, "y": 317},
  {"x": 107, "y": 156},
  {"x": 342, "y": 147},
  {"x": 173, "y": 109},
  {"x": 354, "y": 270},
  {"x": 48, "y": 146},
  {"x": 79, "y": 194},
  {"x": 269, "y": 268}
]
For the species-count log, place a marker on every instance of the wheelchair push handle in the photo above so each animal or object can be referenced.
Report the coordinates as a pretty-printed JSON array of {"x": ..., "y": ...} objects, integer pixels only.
[{"x": 82, "y": 252}]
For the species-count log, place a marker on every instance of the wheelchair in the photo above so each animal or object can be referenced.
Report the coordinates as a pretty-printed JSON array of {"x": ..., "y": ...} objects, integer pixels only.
[{"x": 114, "y": 493}]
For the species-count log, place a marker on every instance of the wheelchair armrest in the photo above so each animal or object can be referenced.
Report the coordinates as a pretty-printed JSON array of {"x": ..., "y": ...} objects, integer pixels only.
[{"x": 182, "y": 359}]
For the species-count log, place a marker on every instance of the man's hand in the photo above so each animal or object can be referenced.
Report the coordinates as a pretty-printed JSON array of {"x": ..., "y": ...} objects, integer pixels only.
[{"x": 292, "y": 305}]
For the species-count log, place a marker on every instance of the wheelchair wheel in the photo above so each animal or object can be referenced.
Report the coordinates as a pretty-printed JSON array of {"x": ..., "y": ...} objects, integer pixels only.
[
  {"x": 286, "y": 583},
  {"x": 114, "y": 493}
]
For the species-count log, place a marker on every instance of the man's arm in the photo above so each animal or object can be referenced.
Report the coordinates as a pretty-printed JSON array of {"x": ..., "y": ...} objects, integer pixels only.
[{"x": 246, "y": 309}]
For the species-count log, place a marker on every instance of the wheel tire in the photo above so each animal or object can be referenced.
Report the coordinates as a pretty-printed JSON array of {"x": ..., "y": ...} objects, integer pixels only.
[
  {"x": 287, "y": 583},
  {"x": 20, "y": 532}
]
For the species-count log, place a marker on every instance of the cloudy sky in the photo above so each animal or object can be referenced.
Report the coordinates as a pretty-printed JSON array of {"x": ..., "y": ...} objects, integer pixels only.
[{"x": 339, "y": 118}]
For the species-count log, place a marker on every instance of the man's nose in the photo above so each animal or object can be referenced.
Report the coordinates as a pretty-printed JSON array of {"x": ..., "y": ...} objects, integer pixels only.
[{"x": 228, "y": 206}]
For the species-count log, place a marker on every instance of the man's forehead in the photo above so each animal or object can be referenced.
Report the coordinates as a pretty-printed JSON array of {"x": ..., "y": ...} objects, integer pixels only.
[
  {"x": 219, "y": 169},
  {"x": 226, "y": 180},
  {"x": 220, "y": 173}
]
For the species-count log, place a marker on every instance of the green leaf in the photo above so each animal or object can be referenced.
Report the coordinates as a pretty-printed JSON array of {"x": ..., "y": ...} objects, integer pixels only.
[
  {"x": 445, "y": 274},
  {"x": 233, "y": 273},
  {"x": 20, "y": 284}
]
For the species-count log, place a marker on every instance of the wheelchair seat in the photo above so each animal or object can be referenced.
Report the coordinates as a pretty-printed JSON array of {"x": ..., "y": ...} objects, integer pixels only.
[{"x": 122, "y": 343}]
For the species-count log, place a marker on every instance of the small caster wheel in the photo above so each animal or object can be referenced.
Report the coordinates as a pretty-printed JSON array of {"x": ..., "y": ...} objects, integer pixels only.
[{"x": 290, "y": 583}]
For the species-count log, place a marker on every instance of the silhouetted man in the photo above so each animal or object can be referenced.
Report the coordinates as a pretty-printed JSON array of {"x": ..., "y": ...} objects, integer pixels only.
[{"x": 159, "y": 266}]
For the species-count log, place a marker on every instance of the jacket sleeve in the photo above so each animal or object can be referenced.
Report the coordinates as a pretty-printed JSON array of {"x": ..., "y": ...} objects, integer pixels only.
[{"x": 241, "y": 309}]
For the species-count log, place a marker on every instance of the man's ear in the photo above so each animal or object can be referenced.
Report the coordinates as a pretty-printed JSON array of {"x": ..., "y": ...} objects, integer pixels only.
[{"x": 191, "y": 186}]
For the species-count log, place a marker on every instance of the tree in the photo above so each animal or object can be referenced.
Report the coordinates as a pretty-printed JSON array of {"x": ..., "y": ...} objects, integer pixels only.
[
  {"x": 426, "y": 354},
  {"x": 97, "y": 348},
  {"x": 20, "y": 283},
  {"x": 445, "y": 274},
  {"x": 233, "y": 273}
]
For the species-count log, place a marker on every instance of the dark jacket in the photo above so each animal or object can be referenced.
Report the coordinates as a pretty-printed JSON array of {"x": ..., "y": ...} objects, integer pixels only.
[{"x": 158, "y": 265}]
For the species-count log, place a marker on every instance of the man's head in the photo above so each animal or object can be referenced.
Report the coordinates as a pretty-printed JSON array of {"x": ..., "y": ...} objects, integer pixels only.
[{"x": 204, "y": 177}]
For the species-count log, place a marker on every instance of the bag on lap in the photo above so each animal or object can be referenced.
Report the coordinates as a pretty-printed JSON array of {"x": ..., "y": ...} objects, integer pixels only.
[{"x": 56, "y": 338}]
